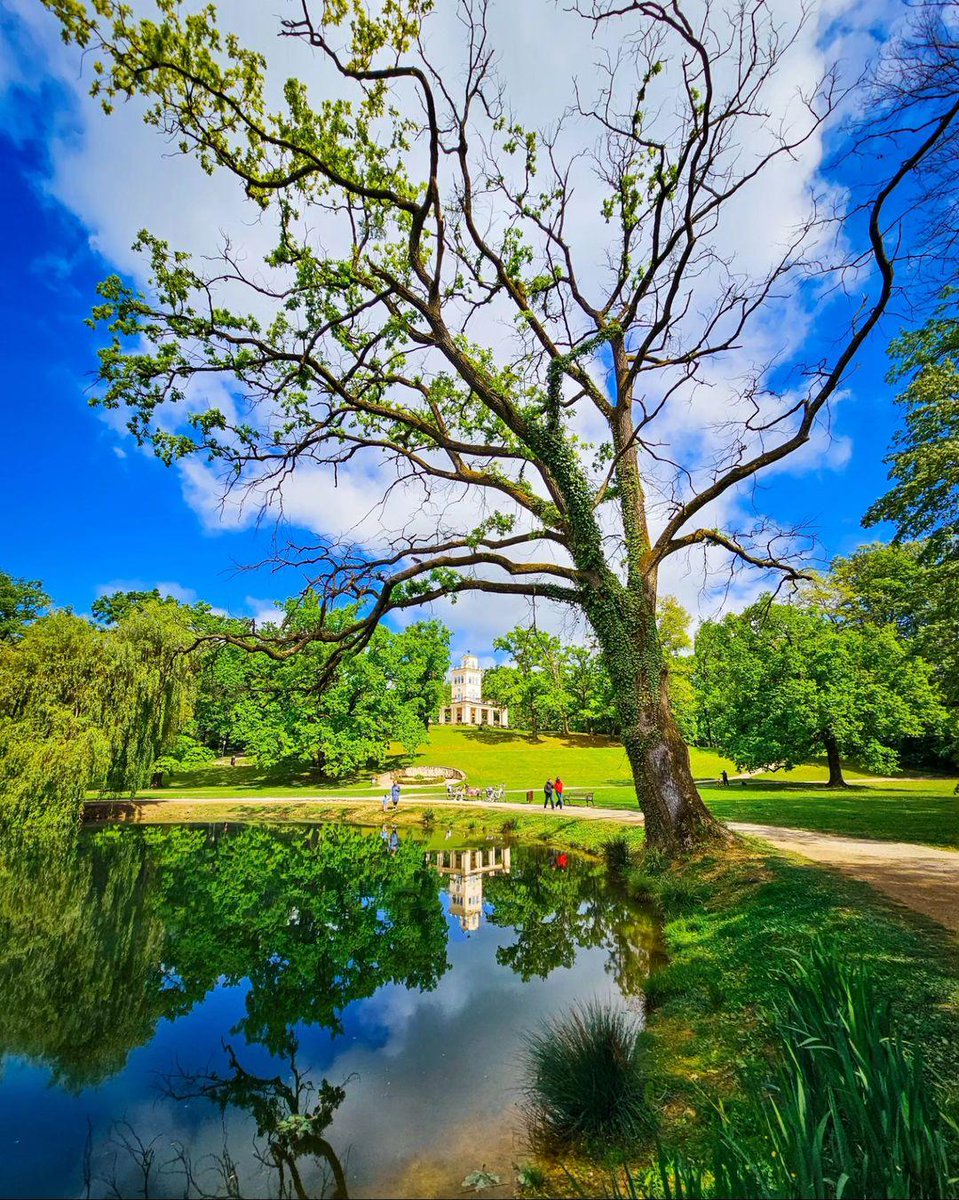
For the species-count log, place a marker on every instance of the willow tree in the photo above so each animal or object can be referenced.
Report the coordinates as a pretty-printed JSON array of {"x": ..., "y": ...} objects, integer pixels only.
[
  {"x": 515, "y": 323},
  {"x": 83, "y": 708}
]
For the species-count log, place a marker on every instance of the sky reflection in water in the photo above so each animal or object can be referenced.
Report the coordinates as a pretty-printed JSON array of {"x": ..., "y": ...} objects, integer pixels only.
[{"x": 304, "y": 1007}]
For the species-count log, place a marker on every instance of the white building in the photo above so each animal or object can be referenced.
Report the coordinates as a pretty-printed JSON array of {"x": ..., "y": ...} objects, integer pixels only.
[{"x": 468, "y": 706}]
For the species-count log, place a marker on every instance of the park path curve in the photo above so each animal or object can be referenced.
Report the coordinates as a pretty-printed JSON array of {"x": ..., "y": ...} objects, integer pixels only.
[{"x": 923, "y": 878}]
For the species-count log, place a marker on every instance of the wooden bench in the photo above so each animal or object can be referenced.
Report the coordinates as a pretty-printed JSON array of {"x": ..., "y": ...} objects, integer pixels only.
[{"x": 585, "y": 798}]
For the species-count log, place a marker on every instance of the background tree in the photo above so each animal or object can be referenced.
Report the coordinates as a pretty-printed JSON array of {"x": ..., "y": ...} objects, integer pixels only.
[
  {"x": 534, "y": 686},
  {"x": 673, "y": 622},
  {"x": 786, "y": 684},
  {"x": 293, "y": 710},
  {"x": 923, "y": 502},
  {"x": 903, "y": 586},
  {"x": 591, "y": 690},
  {"x": 21, "y": 601},
  {"x": 459, "y": 329}
]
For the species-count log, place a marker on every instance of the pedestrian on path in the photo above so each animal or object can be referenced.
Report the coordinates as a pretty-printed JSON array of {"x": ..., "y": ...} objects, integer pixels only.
[
  {"x": 548, "y": 793},
  {"x": 558, "y": 788},
  {"x": 395, "y": 795}
]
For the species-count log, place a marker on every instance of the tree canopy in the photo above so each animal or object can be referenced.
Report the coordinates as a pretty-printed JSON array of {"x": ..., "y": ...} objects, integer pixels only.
[
  {"x": 294, "y": 710},
  {"x": 21, "y": 601},
  {"x": 82, "y": 708},
  {"x": 784, "y": 683},
  {"x": 923, "y": 502}
]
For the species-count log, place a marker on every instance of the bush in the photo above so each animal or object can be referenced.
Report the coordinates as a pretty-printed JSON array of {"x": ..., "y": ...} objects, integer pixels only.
[
  {"x": 584, "y": 1081},
  {"x": 429, "y": 817},
  {"x": 510, "y": 825}
]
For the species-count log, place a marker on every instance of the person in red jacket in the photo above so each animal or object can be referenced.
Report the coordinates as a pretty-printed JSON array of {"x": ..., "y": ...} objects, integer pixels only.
[{"x": 558, "y": 789}]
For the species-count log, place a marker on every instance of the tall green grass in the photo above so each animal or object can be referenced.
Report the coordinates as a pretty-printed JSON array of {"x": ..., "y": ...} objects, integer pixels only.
[
  {"x": 585, "y": 1088},
  {"x": 850, "y": 1111}
]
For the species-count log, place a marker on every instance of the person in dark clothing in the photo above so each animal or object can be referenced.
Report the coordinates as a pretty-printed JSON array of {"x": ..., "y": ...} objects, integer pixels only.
[
  {"x": 548, "y": 793},
  {"x": 725, "y": 778}
]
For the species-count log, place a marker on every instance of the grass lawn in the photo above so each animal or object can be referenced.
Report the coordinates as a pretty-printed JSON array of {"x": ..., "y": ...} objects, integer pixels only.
[
  {"x": 487, "y": 756},
  {"x": 513, "y": 758},
  {"x": 924, "y": 811},
  {"x": 911, "y": 810}
]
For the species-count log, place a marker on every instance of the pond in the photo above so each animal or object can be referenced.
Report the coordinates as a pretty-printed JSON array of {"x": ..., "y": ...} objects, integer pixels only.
[{"x": 304, "y": 1011}]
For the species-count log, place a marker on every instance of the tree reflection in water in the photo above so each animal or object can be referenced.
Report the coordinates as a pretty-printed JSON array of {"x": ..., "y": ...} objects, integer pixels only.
[
  {"x": 558, "y": 904},
  {"x": 290, "y": 1155},
  {"x": 102, "y": 939},
  {"x": 291, "y": 1114}
]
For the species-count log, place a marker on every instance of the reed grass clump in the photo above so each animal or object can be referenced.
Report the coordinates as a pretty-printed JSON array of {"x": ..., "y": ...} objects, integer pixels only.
[
  {"x": 617, "y": 854},
  {"x": 585, "y": 1087}
]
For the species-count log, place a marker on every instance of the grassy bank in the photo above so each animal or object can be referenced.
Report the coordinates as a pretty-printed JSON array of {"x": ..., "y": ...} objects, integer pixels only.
[
  {"x": 464, "y": 822},
  {"x": 732, "y": 924}
]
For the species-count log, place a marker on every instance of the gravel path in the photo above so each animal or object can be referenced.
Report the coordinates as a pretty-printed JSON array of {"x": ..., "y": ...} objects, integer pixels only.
[{"x": 923, "y": 878}]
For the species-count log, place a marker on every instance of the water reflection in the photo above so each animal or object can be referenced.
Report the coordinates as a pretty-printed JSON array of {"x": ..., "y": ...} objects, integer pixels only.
[
  {"x": 292, "y": 1114},
  {"x": 464, "y": 871},
  {"x": 282, "y": 1010}
]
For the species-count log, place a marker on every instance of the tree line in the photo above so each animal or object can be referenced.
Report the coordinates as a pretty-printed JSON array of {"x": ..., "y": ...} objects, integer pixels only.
[
  {"x": 861, "y": 664},
  {"x": 146, "y": 685}
]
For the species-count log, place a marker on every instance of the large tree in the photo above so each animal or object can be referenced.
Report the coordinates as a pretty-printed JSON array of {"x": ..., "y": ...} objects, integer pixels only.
[
  {"x": 436, "y": 298},
  {"x": 904, "y": 585},
  {"x": 783, "y": 683},
  {"x": 84, "y": 708}
]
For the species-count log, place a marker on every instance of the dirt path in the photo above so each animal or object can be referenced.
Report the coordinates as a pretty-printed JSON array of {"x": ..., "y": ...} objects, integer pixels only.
[{"x": 922, "y": 878}]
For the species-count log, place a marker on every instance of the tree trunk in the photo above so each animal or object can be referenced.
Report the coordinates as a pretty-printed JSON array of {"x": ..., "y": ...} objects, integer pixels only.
[
  {"x": 833, "y": 759},
  {"x": 676, "y": 817}
]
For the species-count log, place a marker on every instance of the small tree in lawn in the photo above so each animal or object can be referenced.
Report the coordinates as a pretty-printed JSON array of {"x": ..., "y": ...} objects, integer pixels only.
[
  {"x": 436, "y": 301},
  {"x": 785, "y": 684}
]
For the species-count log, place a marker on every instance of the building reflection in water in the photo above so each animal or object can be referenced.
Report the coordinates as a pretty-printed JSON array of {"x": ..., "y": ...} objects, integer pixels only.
[{"x": 466, "y": 870}]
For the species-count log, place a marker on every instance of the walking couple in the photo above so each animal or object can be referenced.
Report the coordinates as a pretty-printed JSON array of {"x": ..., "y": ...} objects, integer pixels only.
[{"x": 553, "y": 793}]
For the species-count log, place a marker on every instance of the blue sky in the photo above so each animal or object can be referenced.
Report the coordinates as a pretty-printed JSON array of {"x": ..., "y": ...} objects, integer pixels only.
[{"x": 85, "y": 509}]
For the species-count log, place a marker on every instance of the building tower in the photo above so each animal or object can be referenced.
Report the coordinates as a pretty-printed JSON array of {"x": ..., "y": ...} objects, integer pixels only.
[{"x": 468, "y": 706}]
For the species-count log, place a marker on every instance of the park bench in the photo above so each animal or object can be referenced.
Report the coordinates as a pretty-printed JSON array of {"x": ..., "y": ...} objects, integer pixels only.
[{"x": 585, "y": 798}]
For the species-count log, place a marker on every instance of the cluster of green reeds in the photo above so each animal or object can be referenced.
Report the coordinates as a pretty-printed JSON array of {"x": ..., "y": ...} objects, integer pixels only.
[{"x": 585, "y": 1087}]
